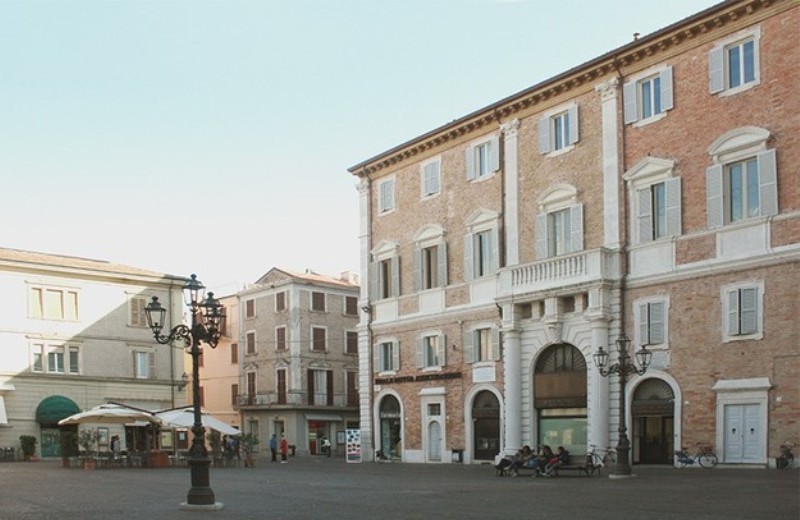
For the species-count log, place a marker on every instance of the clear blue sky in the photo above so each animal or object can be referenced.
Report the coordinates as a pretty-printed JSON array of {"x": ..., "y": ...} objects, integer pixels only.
[{"x": 214, "y": 136}]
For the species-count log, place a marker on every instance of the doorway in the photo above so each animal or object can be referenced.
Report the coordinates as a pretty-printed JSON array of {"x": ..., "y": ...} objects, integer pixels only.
[
  {"x": 653, "y": 412},
  {"x": 434, "y": 441},
  {"x": 486, "y": 424},
  {"x": 743, "y": 434}
]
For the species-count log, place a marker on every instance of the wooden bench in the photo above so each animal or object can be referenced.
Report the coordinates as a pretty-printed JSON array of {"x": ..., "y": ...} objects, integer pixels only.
[{"x": 579, "y": 463}]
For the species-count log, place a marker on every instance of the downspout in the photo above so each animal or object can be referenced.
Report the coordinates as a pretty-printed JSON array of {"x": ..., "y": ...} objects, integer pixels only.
[{"x": 623, "y": 201}]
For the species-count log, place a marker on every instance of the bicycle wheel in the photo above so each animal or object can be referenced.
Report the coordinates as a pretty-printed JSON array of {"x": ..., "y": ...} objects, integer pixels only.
[
  {"x": 784, "y": 461},
  {"x": 708, "y": 460}
]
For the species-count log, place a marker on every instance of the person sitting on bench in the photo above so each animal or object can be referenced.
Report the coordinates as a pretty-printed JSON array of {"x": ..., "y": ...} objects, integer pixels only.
[{"x": 560, "y": 458}]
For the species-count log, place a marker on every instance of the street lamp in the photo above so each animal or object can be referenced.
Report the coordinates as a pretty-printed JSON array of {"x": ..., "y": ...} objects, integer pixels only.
[
  {"x": 623, "y": 367},
  {"x": 207, "y": 315}
]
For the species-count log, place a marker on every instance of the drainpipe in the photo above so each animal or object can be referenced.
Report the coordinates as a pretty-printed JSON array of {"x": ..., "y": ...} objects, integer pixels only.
[{"x": 623, "y": 202}]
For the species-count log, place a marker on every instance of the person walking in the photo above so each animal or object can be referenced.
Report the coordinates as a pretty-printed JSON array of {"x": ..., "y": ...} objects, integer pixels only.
[
  {"x": 273, "y": 447},
  {"x": 284, "y": 445}
]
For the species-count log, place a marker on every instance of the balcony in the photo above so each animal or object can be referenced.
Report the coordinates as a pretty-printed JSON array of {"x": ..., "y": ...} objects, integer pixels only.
[
  {"x": 552, "y": 273},
  {"x": 292, "y": 400}
]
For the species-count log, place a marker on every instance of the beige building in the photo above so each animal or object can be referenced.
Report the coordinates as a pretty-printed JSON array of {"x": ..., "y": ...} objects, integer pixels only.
[
  {"x": 650, "y": 192},
  {"x": 74, "y": 335},
  {"x": 298, "y": 355}
]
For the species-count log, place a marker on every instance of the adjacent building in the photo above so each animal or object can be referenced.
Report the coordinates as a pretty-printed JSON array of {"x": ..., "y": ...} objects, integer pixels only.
[{"x": 650, "y": 192}]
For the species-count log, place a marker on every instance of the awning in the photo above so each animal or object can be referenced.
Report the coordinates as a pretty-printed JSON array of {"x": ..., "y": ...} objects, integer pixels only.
[
  {"x": 54, "y": 408},
  {"x": 324, "y": 417}
]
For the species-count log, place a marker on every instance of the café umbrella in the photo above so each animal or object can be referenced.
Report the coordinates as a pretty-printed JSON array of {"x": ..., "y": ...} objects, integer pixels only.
[
  {"x": 110, "y": 414},
  {"x": 184, "y": 418}
]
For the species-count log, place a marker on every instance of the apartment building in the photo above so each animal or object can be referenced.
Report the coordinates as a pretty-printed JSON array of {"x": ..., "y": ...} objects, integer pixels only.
[
  {"x": 649, "y": 192},
  {"x": 74, "y": 335},
  {"x": 298, "y": 355}
]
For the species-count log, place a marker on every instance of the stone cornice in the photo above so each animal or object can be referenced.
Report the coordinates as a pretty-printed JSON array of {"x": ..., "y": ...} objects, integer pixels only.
[{"x": 694, "y": 30}]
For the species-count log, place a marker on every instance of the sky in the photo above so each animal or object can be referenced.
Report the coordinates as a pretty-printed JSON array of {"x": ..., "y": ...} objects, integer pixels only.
[{"x": 214, "y": 136}]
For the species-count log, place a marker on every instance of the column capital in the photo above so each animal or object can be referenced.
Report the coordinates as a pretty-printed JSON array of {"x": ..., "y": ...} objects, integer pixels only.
[
  {"x": 608, "y": 90},
  {"x": 510, "y": 128},
  {"x": 363, "y": 185}
]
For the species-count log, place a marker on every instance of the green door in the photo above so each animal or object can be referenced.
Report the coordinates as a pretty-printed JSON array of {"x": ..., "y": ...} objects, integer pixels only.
[{"x": 51, "y": 443}]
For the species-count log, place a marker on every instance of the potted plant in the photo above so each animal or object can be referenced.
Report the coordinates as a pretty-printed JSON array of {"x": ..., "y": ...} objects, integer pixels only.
[
  {"x": 69, "y": 446},
  {"x": 248, "y": 443},
  {"x": 87, "y": 439},
  {"x": 28, "y": 443}
]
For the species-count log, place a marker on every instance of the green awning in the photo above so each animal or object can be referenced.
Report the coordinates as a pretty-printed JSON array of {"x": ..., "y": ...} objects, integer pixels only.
[{"x": 54, "y": 408}]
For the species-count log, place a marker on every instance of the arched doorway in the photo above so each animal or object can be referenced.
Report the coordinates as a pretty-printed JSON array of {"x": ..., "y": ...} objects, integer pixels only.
[
  {"x": 559, "y": 383},
  {"x": 390, "y": 434},
  {"x": 51, "y": 410},
  {"x": 486, "y": 424},
  {"x": 653, "y": 412}
]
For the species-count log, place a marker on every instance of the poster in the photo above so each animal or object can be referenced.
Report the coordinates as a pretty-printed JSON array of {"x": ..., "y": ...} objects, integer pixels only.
[{"x": 353, "y": 445}]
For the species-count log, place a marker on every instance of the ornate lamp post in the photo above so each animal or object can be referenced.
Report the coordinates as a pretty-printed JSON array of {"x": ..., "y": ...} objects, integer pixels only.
[
  {"x": 623, "y": 367},
  {"x": 207, "y": 315}
]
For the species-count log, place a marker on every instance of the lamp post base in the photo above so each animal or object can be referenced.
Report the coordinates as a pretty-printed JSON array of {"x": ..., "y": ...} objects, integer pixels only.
[{"x": 216, "y": 506}]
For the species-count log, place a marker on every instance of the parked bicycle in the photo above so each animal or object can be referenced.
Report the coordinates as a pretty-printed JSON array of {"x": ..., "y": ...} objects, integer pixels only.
[
  {"x": 786, "y": 459},
  {"x": 597, "y": 459},
  {"x": 705, "y": 456}
]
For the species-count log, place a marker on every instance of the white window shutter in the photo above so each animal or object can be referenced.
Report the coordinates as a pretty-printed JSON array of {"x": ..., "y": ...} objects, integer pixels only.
[
  {"x": 442, "y": 347},
  {"x": 421, "y": 352},
  {"x": 377, "y": 355},
  {"x": 495, "y": 153},
  {"x": 666, "y": 89},
  {"x": 494, "y": 250},
  {"x": 644, "y": 216},
  {"x": 374, "y": 282},
  {"x": 469, "y": 272},
  {"x": 395, "y": 355},
  {"x": 631, "y": 109},
  {"x": 733, "y": 313},
  {"x": 151, "y": 362},
  {"x": 749, "y": 310},
  {"x": 469, "y": 346},
  {"x": 544, "y": 135},
  {"x": 395, "y": 277},
  {"x": 469, "y": 157},
  {"x": 576, "y": 221},
  {"x": 540, "y": 227},
  {"x": 672, "y": 188},
  {"x": 574, "y": 125},
  {"x": 767, "y": 183},
  {"x": 441, "y": 263},
  {"x": 657, "y": 323},
  {"x": 418, "y": 255},
  {"x": 716, "y": 70},
  {"x": 714, "y": 205},
  {"x": 496, "y": 347},
  {"x": 135, "y": 364},
  {"x": 644, "y": 336}
]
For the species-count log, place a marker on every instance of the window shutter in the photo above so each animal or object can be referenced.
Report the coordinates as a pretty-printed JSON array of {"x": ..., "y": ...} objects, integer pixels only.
[
  {"x": 441, "y": 263},
  {"x": 666, "y": 89},
  {"x": 496, "y": 346},
  {"x": 716, "y": 70},
  {"x": 544, "y": 135},
  {"x": 733, "y": 313},
  {"x": 767, "y": 183},
  {"x": 311, "y": 389},
  {"x": 151, "y": 362},
  {"x": 442, "y": 349},
  {"x": 630, "y": 95},
  {"x": 469, "y": 346},
  {"x": 574, "y": 125},
  {"x": 494, "y": 250},
  {"x": 329, "y": 377},
  {"x": 672, "y": 188},
  {"x": 576, "y": 221},
  {"x": 656, "y": 323},
  {"x": 540, "y": 225},
  {"x": 395, "y": 355},
  {"x": 135, "y": 365},
  {"x": 749, "y": 310},
  {"x": 469, "y": 157},
  {"x": 395, "y": 277},
  {"x": 644, "y": 336},
  {"x": 714, "y": 206},
  {"x": 377, "y": 355},
  {"x": 495, "y": 153},
  {"x": 468, "y": 253},
  {"x": 418, "y": 254},
  {"x": 421, "y": 352},
  {"x": 644, "y": 217},
  {"x": 373, "y": 282}
]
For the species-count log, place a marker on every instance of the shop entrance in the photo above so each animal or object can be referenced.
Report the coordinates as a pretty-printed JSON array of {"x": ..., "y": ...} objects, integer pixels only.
[
  {"x": 390, "y": 441},
  {"x": 653, "y": 411},
  {"x": 486, "y": 423},
  {"x": 559, "y": 384}
]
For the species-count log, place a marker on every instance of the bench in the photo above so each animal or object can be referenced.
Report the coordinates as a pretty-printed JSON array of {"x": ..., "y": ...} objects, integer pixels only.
[{"x": 579, "y": 463}]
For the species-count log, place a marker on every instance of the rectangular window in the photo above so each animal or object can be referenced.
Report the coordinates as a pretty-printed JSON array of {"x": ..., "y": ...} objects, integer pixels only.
[
  {"x": 387, "y": 356},
  {"x": 650, "y": 91},
  {"x": 251, "y": 387},
  {"x": 74, "y": 360},
  {"x": 483, "y": 159},
  {"x": 742, "y": 186},
  {"x": 143, "y": 364},
  {"x": 352, "y": 388},
  {"x": 251, "y": 343},
  {"x": 430, "y": 267},
  {"x": 734, "y": 66},
  {"x": 234, "y": 394},
  {"x": 318, "y": 301},
  {"x": 53, "y": 304},
  {"x": 320, "y": 387},
  {"x": 55, "y": 360},
  {"x": 351, "y": 343},
  {"x": 351, "y": 305},
  {"x": 386, "y": 196},
  {"x": 431, "y": 351},
  {"x": 743, "y": 318},
  {"x": 560, "y": 130},
  {"x": 281, "y": 376},
  {"x": 318, "y": 342},
  {"x": 250, "y": 309},
  {"x": 559, "y": 232},
  {"x": 37, "y": 361},
  {"x": 484, "y": 345},
  {"x": 741, "y": 63},
  {"x": 434, "y": 409},
  {"x": 280, "y": 301},
  {"x": 483, "y": 253},
  {"x": 137, "y": 314},
  {"x": 280, "y": 338},
  {"x": 234, "y": 353},
  {"x": 385, "y": 278},
  {"x": 430, "y": 179},
  {"x": 652, "y": 319}
]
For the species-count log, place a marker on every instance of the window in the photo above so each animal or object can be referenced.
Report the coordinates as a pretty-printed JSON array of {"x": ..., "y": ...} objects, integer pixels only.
[
  {"x": 351, "y": 305},
  {"x": 559, "y": 232},
  {"x": 387, "y": 356},
  {"x": 734, "y": 65},
  {"x": 318, "y": 341},
  {"x": 656, "y": 204},
  {"x": 55, "y": 359},
  {"x": 482, "y": 344},
  {"x": 234, "y": 353},
  {"x": 483, "y": 158},
  {"x": 652, "y": 320},
  {"x": 352, "y": 388},
  {"x": 430, "y": 258},
  {"x": 431, "y": 351},
  {"x": 384, "y": 275},
  {"x": 430, "y": 178},
  {"x": 137, "y": 314},
  {"x": 351, "y": 342},
  {"x": 74, "y": 360},
  {"x": 250, "y": 309},
  {"x": 251, "y": 387},
  {"x": 386, "y": 195},
  {"x": 434, "y": 409},
  {"x": 742, "y": 311},
  {"x": 742, "y": 184},
  {"x": 318, "y": 301},
  {"x": 143, "y": 364},
  {"x": 558, "y": 130},
  {"x": 320, "y": 387},
  {"x": 281, "y": 378},
  {"x": 280, "y": 338},
  {"x": 234, "y": 394},
  {"x": 481, "y": 253},
  {"x": 53, "y": 304},
  {"x": 251, "y": 343},
  {"x": 648, "y": 97},
  {"x": 280, "y": 301}
]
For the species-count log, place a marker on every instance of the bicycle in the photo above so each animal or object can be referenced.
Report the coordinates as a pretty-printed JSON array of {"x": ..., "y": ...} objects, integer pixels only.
[
  {"x": 595, "y": 461},
  {"x": 786, "y": 459},
  {"x": 705, "y": 456}
]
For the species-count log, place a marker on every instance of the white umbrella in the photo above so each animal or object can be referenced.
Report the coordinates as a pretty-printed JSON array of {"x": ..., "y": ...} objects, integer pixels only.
[
  {"x": 110, "y": 414},
  {"x": 184, "y": 418}
]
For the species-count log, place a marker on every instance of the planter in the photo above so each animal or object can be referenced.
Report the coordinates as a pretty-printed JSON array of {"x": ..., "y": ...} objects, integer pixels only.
[{"x": 89, "y": 464}]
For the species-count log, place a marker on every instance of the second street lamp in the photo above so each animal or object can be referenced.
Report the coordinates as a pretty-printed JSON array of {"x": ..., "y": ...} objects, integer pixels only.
[
  {"x": 622, "y": 367},
  {"x": 206, "y": 316}
]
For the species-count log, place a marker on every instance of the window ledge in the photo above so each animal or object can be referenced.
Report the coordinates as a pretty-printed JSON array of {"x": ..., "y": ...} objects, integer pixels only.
[
  {"x": 437, "y": 368},
  {"x": 741, "y": 88},
  {"x": 652, "y": 119},
  {"x": 755, "y": 336},
  {"x": 562, "y": 151}
]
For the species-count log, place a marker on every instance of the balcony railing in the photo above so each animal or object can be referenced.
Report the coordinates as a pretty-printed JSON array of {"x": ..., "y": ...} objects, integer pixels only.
[
  {"x": 291, "y": 399},
  {"x": 551, "y": 273}
]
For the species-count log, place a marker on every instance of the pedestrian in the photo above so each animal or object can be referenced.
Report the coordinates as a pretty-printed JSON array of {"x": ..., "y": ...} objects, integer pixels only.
[
  {"x": 273, "y": 447},
  {"x": 326, "y": 446},
  {"x": 284, "y": 448}
]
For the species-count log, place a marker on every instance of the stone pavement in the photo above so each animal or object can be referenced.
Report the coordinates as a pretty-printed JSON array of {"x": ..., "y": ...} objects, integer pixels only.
[{"x": 316, "y": 487}]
